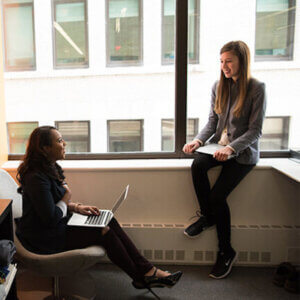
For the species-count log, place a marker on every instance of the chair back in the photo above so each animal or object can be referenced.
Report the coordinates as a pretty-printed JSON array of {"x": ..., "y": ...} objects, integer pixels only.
[{"x": 8, "y": 190}]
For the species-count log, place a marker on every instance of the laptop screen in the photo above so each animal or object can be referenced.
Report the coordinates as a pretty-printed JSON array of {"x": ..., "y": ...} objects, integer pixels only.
[{"x": 121, "y": 199}]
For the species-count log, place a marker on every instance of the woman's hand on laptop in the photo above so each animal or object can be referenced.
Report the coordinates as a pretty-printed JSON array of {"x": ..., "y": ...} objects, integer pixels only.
[
  {"x": 87, "y": 210},
  {"x": 191, "y": 147},
  {"x": 223, "y": 154}
]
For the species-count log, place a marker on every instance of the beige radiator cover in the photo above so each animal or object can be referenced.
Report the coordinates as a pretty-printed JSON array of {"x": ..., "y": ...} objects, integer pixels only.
[{"x": 265, "y": 212}]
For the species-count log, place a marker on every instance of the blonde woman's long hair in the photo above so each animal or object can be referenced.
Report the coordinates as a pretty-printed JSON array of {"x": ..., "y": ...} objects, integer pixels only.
[{"x": 241, "y": 50}]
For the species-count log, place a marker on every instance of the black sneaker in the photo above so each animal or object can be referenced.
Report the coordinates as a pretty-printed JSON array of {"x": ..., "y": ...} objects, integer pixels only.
[
  {"x": 223, "y": 265},
  {"x": 197, "y": 227}
]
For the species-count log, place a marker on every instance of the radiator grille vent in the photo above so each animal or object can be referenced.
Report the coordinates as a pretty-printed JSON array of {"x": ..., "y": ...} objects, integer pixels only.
[
  {"x": 209, "y": 256},
  {"x": 148, "y": 254},
  {"x": 158, "y": 254},
  {"x": 254, "y": 256},
  {"x": 180, "y": 254},
  {"x": 239, "y": 226},
  {"x": 276, "y": 226},
  {"x": 266, "y": 256},
  {"x": 198, "y": 255},
  {"x": 243, "y": 256},
  {"x": 291, "y": 254},
  {"x": 169, "y": 254},
  {"x": 147, "y": 225}
]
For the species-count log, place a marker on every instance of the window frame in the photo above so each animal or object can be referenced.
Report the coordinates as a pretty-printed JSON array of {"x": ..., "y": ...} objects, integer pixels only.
[
  {"x": 124, "y": 63},
  {"x": 141, "y": 121},
  {"x": 6, "y": 66},
  {"x": 79, "y": 121},
  {"x": 83, "y": 65},
  {"x": 290, "y": 34},
  {"x": 180, "y": 106},
  {"x": 196, "y": 37}
]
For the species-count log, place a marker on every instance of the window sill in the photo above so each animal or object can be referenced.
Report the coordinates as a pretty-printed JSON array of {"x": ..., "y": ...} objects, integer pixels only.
[{"x": 284, "y": 165}]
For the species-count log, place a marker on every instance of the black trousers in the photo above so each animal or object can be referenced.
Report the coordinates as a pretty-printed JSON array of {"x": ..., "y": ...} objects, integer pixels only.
[
  {"x": 212, "y": 200},
  {"x": 119, "y": 247}
]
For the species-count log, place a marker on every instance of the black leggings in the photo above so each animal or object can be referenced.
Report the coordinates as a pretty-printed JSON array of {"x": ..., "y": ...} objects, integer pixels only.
[
  {"x": 119, "y": 248},
  {"x": 212, "y": 201}
]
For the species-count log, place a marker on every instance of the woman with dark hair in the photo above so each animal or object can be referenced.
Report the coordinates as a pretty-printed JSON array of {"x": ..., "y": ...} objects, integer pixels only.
[
  {"x": 47, "y": 206},
  {"x": 235, "y": 121}
]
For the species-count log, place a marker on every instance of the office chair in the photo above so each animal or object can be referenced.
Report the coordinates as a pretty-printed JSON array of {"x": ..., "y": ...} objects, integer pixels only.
[{"x": 51, "y": 265}]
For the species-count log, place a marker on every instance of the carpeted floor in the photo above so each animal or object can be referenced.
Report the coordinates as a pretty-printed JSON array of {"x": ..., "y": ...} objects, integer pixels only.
[
  {"x": 243, "y": 283},
  {"x": 109, "y": 283}
]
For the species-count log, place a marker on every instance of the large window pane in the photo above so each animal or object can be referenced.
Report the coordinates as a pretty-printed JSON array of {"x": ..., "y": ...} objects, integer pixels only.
[
  {"x": 167, "y": 134},
  {"x": 18, "y": 134},
  {"x": 142, "y": 88},
  {"x": 70, "y": 33},
  {"x": 125, "y": 136},
  {"x": 18, "y": 35},
  {"x": 275, "y": 22},
  {"x": 124, "y": 32},
  {"x": 76, "y": 134},
  {"x": 168, "y": 31}
]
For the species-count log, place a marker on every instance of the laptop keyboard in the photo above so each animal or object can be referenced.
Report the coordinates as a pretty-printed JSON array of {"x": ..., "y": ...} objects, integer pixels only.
[{"x": 97, "y": 220}]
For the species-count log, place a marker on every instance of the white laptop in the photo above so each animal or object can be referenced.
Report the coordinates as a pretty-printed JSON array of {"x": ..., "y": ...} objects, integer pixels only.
[
  {"x": 211, "y": 149},
  {"x": 102, "y": 219}
]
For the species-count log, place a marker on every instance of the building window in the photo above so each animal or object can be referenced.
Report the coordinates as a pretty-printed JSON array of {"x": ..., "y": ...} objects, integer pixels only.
[
  {"x": 275, "y": 24},
  {"x": 124, "y": 32},
  {"x": 125, "y": 135},
  {"x": 70, "y": 33},
  {"x": 168, "y": 31},
  {"x": 275, "y": 133},
  {"x": 18, "y": 135},
  {"x": 76, "y": 134},
  {"x": 168, "y": 133},
  {"x": 18, "y": 25}
]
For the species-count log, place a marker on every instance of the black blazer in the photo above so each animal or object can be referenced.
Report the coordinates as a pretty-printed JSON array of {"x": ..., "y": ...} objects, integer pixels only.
[{"x": 41, "y": 229}]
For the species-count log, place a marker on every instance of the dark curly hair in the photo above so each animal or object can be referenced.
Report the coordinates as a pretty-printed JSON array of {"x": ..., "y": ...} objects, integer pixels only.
[{"x": 36, "y": 159}]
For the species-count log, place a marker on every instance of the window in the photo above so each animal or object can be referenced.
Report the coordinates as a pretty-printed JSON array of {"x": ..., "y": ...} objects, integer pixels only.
[
  {"x": 133, "y": 108},
  {"x": 76, "y": 134},
  {"x": 19, "y": 42},
  {"x": 125, "y": 135},
  {"x": 168, "y": 31},
  {"x": 18, "y": 135},
  {"x": 167, "y": 127},
  {"x": 275, "y": 23},
  {"x": 70, "y": 33},
  {"x": 275, "y": 133},
  {"x": 124, "y": 32}
]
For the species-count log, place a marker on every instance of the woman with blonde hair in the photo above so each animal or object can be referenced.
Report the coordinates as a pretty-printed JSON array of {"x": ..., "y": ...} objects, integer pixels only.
[{"x": 235, "y": 121}]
